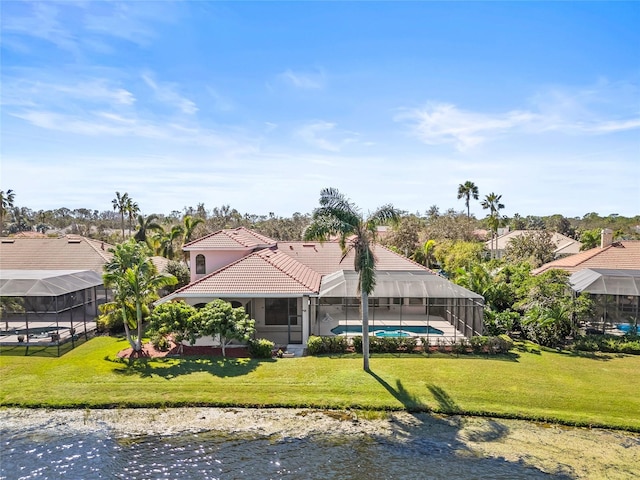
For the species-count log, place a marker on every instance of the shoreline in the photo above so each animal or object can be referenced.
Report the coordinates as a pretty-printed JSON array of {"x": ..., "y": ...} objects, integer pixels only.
[{"x": 550, "y": 447}]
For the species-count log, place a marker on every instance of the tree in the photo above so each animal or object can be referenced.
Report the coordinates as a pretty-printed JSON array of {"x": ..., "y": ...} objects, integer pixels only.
[
  {"x": 146, "y": 225},
  {"x": 177, "y": 319},
  {"x": 492, "y": 203},
  {"x": 120, "y": 205},
  {"x": 132, "y": 210},
  {"x": 168, "y": 242},
  {"x": 181, "y": 272},
  {"x": 406, "y": 234},
  {"x": 590, "y": 239},
  {"x": 189, "y": 225},
  {"x": 6, "y": 203},
  {"x": 550, "y": 310},
  {"x": 535, "y": 247},
  {"x": 467, "y": 191},
  {"x": 219, "y": 318},
  {"x": 425, "y": 254},
  {"x": 134, "y": 281},
  {"x": 338, "y": 216}
]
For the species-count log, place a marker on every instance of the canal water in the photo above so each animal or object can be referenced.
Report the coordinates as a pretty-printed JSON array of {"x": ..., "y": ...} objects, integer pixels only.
[{"x": 57, "y": 453}]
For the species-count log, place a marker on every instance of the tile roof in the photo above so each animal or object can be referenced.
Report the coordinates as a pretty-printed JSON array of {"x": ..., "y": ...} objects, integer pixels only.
[
  {"x": 72, "y": 252},
  {"x": 327, "y": 258},
  {"x": 623, "y": 255},
  {"x": 264, "y": 272},
  {"x": 563, "y": 243},
  {"x": 237, "y": 238}
]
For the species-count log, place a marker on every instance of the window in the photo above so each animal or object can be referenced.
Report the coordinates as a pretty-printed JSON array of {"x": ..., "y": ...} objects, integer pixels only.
[
  {"x": 415, "y": 301},
  {"x": 200, "y": 264},
  {"x": 278, "y": 310}
]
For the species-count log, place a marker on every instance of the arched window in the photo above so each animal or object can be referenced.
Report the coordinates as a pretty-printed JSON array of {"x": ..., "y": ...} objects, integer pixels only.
[{"x": 200, "y": 264}]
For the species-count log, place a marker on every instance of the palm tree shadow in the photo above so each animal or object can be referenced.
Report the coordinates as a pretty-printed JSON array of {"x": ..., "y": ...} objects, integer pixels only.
[
  {"x": 440, "y": 437},
  {"x": 410, "y": 402}
]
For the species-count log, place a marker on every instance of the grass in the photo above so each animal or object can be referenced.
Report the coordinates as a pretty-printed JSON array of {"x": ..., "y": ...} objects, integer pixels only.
[{"x": 536, "y": 384}]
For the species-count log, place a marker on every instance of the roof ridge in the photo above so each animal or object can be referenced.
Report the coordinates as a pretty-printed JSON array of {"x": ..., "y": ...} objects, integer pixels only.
[
  {"x": 102, "y": 251},
  {"x": 263, "y": 254}
]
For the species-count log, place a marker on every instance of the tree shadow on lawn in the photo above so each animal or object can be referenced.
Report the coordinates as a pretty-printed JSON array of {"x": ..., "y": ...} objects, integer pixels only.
[
  {"x": 442, "y": 437},
  {"x": 169, "y": 368}
]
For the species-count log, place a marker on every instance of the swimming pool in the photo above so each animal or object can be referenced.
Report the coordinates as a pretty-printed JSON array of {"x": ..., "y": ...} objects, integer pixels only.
[
  {"x": 388, "y": 330},
  {"x": 35, "y": 332}
]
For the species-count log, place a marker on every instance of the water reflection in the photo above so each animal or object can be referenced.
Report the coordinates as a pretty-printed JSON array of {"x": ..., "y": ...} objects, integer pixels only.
[{"x": 59, "y": 454}]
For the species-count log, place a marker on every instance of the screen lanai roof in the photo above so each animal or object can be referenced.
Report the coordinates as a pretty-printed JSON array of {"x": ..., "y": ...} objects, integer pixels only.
[
  {"x": 396, "y": 284},
  {"x": 607, "y": 281},
  {"x": 46, "y": 283}
]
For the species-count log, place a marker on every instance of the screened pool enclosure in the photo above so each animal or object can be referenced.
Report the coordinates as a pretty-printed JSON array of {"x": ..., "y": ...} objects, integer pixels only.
[
  {"x": 404, "y": 303},
  {"x": 616, "y": 294},
  {"x": 48, "y": 307}
]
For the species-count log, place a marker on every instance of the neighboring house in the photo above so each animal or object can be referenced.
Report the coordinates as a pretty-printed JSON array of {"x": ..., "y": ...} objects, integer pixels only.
[
  {"x": 296, "y": 289},
  {"x": 610, "y": 273},
  {"x": 564, "y": 245},
  {"x": 51, "y": 285},
  {"x": 51, "y": 288}
]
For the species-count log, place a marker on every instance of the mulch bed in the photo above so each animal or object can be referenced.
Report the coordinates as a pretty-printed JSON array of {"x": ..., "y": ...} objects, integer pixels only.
[{"x": 149, "y": 351}]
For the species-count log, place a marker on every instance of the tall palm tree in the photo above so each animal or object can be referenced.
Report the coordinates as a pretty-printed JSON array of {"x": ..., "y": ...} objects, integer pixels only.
[
  {"x": 120, "y": 206},
  {"x": 6, "y": 202},
  {"x": 467, "y": 190},
  {"x": 492, "y": 203},
  {"x": 134, "y": 282},
  {"x": 132, "y": 210},
  {"x": 145, "y": 225},
  {"x": 338, "y": 216}
]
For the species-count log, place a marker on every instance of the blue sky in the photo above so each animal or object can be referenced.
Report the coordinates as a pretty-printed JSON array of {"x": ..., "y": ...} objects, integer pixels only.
[{"x": 260, "y": 105}]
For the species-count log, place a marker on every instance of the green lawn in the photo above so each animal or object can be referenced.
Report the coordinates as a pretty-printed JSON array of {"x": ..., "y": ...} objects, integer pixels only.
[{"x": 602, "y": 390}]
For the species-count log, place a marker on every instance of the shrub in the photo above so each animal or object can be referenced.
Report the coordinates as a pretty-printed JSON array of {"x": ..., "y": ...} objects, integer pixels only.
[
  {"x": 460, "y": 346},
  {"x": 319, "y": 345},
  {"x": 479, "y": 343},
  {"x": 160, "y": 342},
  {"x": 491, "y": 345},
  {"x": 608, "y": 344},
  {"x": 261, "y": 348}
]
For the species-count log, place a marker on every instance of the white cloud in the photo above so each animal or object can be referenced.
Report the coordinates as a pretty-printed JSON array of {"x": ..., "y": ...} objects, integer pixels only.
[
  {"x": 601, "y": 109},
  {"x": 444, "y": 123},
  {"x": 166, "y": 93},
  {"x": 42, "y": 23},
  {"x": 325, "y": 135},
  {"x": 305, "y": 81}
]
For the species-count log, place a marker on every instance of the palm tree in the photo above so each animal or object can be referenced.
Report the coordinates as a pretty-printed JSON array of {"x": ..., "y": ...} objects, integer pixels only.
[
  {"x": 189, "y": 225},
  {"x": 145, "y": 225},
  {"x": 132, "y": 210},
  {"x": 492, "y": 203},
  {"x": 134, "y": 282},
  {"x": 120, "y": 205},
  {"x": 467, "y": 191},
  {"x": 168, "y": 242},
  {"x": 338, "y": 216},
  {"x": 6, "y": 202}
]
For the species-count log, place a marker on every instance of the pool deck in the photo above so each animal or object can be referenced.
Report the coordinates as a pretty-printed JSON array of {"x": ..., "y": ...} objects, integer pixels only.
[
  {"x": 449, "y": 333},
  {"x": 10, "y": 338}
]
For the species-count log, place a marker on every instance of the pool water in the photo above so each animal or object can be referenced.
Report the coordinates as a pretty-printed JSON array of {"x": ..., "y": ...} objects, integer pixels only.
[{"x": 388, "y": 330}]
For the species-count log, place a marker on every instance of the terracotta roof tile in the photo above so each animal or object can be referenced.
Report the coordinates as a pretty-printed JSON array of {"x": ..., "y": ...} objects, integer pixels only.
[
  {"x": 264, "y": 272},
  {"x": 327, "y": 258},
  {"x": 72, "y": 252},
  {"x": 231, "y": 239},
  {"x": 624, "y": 255}
]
